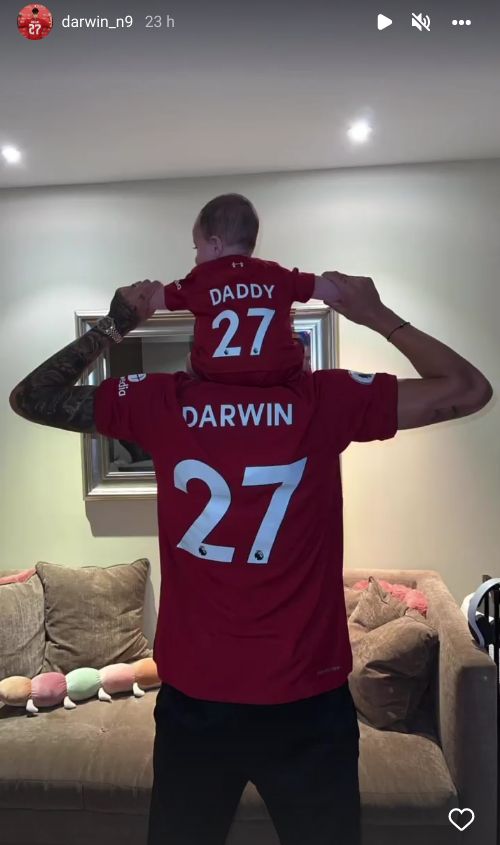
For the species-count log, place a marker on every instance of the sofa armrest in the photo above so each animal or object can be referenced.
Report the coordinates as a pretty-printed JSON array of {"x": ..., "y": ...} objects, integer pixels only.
[
  {"x": 466, "y": 708},
  {"x": 467, "y": 700}
]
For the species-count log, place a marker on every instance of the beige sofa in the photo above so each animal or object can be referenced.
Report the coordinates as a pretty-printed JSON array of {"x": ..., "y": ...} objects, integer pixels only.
[{"x": 84, "y": 776}]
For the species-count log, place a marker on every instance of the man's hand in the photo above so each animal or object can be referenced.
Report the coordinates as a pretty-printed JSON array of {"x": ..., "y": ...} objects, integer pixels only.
[
  {"x": 359, "y": 299},
  {"x": 134, "y": 304}
]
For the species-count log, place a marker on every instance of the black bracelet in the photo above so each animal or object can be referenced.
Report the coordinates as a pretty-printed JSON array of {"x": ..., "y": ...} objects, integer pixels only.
[{"x": 398, "y": 327}]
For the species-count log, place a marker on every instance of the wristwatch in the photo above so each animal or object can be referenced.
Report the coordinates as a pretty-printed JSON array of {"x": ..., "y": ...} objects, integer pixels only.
[{"x": 106, "y": 325}]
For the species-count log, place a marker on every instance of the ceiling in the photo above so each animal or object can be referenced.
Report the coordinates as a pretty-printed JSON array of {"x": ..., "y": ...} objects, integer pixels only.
[{"x": 244, "y": 88}]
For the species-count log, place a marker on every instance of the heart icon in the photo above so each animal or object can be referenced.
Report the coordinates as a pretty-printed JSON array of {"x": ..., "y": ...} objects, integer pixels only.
[{"x": 466, "y": 817}]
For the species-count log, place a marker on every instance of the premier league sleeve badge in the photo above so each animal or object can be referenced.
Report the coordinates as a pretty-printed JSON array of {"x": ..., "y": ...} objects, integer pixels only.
[{"x": 362, "y": 378}]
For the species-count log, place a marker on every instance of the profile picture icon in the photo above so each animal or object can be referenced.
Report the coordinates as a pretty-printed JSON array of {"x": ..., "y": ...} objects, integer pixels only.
[{"x": 34, "y": 21}]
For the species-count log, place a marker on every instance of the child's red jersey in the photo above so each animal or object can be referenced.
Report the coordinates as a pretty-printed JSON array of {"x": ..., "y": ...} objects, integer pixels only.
[{"x": 242, "y": 310}]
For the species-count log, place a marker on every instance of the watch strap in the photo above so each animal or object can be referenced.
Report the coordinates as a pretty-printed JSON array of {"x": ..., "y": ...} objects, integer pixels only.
[{"x": 107, "y": 326}]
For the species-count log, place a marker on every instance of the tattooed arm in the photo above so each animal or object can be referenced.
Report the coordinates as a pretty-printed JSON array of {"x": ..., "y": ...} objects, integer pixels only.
[{"x": 48, "y": 395}]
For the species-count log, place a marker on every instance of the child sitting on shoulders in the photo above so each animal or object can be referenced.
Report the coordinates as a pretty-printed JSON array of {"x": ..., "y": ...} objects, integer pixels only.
[{"x": 243, "y": 332}]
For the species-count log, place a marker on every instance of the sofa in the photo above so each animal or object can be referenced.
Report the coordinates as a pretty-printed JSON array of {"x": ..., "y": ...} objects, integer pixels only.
[{"x": 84, "y": 776}]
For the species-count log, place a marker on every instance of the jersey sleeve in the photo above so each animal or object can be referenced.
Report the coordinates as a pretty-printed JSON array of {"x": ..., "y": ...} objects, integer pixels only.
[
  {"x": 293, "y": 285},
  {"x": 176, "y": 298},
  {"x": 302, "y": 285},
  {"x": 133, "y": 407},
  {"x": 358, "y": 407}
]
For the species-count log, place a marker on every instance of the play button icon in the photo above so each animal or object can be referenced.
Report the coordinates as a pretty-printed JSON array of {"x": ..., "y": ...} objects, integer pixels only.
[{"x": 383, "y": 22}]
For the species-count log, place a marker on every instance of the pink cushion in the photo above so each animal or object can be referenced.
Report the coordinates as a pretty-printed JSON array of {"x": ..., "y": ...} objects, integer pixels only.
[
  {"x": 19, "y": 577},
  {"x": 414, "y": 599},
  {"x": 119, "y": 677},
  {"x": 48, "y": 689}
]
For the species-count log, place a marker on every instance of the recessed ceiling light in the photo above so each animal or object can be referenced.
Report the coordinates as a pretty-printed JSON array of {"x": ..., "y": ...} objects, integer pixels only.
[
  {"x": 360, "y": 131},
  {"x": 11, "y": 155}
]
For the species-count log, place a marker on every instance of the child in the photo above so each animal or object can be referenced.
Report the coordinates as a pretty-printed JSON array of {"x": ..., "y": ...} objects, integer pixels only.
[{"x": 243, "y": 332}]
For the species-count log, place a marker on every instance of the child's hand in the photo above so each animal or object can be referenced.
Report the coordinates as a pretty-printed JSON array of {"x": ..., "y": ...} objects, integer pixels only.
[
  {"x": 358, "y": 300},
  {"x": 326, "y": 289}
]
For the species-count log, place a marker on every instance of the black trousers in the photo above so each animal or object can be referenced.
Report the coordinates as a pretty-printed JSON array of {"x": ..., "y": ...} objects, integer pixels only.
[{"x": 302, "y": 758}]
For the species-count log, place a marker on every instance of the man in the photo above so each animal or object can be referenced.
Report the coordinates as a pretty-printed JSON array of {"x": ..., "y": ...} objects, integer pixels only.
[{"x": 252, "y": 644}]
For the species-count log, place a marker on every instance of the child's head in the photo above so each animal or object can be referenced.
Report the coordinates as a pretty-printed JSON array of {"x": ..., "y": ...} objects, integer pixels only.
[{"x": 227, "y": 225}]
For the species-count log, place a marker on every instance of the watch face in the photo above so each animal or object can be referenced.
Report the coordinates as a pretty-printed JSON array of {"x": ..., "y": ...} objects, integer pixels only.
[
  {"x": 107, "y": 326},
  {"x": 104, "y": 325}
]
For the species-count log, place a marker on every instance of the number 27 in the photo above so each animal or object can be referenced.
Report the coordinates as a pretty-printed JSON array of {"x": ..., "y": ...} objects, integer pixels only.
[{"x": 288, "y": 476}]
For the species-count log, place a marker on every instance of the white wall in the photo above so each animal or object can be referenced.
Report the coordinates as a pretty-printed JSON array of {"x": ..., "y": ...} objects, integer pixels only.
[{"x": 427, "y": 234}]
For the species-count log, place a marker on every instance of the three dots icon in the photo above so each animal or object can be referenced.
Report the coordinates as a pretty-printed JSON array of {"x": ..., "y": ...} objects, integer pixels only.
[{"x": 461, "y": 22}]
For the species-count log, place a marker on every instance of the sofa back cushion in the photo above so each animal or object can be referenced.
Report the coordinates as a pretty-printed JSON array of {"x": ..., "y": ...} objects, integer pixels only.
[
  {"x": 393, "y": 667},
  {"x": 93, "y": 615},
  {"x": 22, "y": 635}
]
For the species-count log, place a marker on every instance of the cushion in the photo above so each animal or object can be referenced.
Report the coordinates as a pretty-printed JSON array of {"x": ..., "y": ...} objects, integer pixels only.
[
  {"x": 16, "y": 690},
  {"x": 17, "y": 577},
  {"x": 96, "y": 758},
  {"x": 93, "y": 615},
  {"x": 356, "y": 633},
  {"x": 404, "y": 778},
  {"x": 415, "y": 599},
  {"x": 376, "y": 607},
  {"x": 104, "y": 765},
  {"x": 22, "y": 635},
  {"x": 393, "y": 665},
  {"x": 352, "y": 598}
]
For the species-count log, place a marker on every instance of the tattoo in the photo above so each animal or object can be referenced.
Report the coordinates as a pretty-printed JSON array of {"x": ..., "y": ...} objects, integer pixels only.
[
  {"x": 124, "y": 314},
  {"x": 48, "y": 395},
  {"x": 443, "y": 414}
]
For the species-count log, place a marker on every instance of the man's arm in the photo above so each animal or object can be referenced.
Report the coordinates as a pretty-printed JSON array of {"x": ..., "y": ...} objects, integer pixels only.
[
  {"x": 450, "y": 386},
  {"x": 48, "y": 395}
]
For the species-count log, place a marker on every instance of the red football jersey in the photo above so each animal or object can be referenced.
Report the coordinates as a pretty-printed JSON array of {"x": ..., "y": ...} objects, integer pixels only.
[
  {"x": 250, "y": 524},
  {"x": 242, "y": 310}
]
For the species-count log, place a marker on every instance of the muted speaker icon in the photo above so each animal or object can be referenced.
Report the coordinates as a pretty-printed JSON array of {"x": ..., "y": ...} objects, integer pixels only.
[{"x": 421, "y": 21}]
